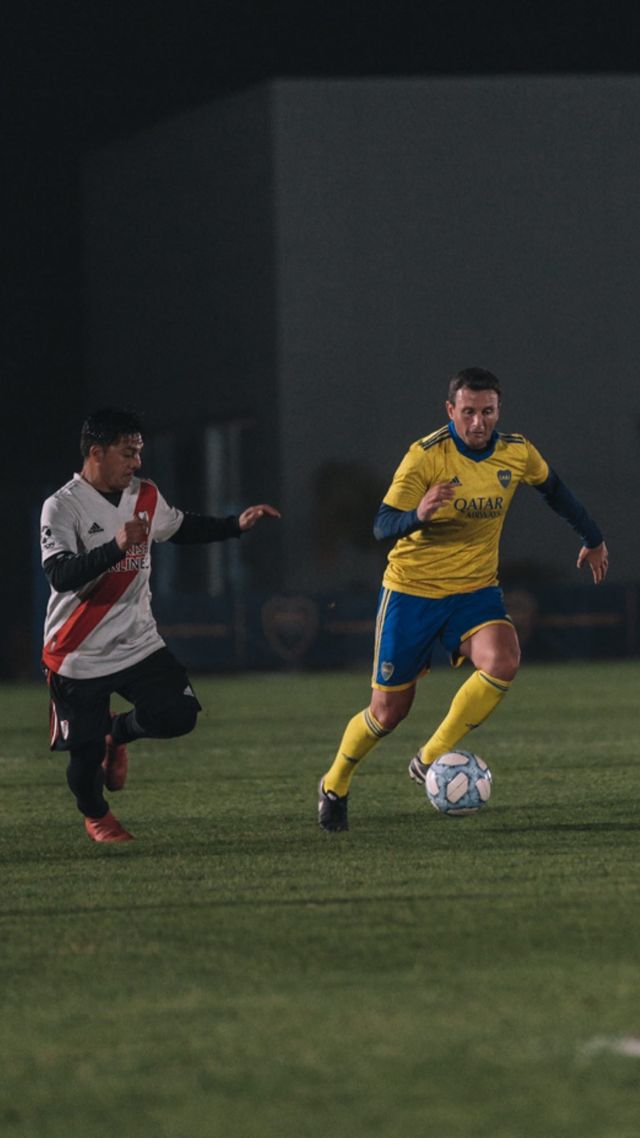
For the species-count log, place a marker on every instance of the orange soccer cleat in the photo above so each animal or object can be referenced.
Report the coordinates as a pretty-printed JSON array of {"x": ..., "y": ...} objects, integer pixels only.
[
  {"x": 106, "y": 829},
  {"x": 115, "y": 764}
]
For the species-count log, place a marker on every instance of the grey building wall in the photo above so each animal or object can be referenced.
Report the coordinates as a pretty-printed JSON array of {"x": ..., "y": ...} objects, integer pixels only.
[
  {"x": 429, "y": 225},
  {"x": 323, "y": 255}
]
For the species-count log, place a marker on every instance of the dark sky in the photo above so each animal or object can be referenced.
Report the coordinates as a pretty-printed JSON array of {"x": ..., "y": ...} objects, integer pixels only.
[{"x": 80, "y": 73}]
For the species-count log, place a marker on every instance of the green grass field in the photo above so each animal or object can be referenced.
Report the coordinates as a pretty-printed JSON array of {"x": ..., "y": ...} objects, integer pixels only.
[{"x": 236, "y": 972}]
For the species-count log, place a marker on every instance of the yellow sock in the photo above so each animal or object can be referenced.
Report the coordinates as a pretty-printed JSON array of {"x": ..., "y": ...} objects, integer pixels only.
[
  {"x": 472, "y": 704},
  {"x": 361, "y": 734}
]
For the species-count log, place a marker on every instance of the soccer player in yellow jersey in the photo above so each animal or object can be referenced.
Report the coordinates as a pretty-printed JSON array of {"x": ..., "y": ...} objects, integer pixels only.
[{"x": 446, "y": 507}]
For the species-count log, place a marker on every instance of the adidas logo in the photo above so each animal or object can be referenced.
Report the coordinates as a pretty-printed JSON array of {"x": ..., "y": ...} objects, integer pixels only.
[
  {"x": 455, "y": 481},
  {"x": 95, "y": 528}
]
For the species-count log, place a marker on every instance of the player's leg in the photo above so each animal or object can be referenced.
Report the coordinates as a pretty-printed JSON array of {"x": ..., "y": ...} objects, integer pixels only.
[
  {"x": 404, "y": 635},
  {"x": 116, "y": 761},
  {"x": 164, "y": 703},
  {"x": 494, "y": 651},
  {"x": 79, "y": 718},
  {"x": 362, "y": 733},
  {"x": 367, "y": 728}
]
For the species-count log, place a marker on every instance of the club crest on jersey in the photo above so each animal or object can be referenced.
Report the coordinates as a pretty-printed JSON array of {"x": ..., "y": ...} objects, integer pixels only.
[
  {"x": 504, "y": 477},
  {"x": 386, "y": 670},
  {"x": 46, "y": 539}
]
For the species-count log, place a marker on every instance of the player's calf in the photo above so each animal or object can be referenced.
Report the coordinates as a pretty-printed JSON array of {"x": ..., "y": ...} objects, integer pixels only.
[
  {"x": 115, "y": 763},
  {"x": 85, "y": 778},
  {"x": 173, "y": 719}
]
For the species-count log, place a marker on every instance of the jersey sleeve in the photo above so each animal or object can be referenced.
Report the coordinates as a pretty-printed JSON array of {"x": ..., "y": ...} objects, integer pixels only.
[
  {"x": 410, "y": 481},
  {"x": 537, "y": 469},
  {"x": 197, "y": 529},
  {"x": 166, "y": 520},
  {"x": 57, "y": 529}
]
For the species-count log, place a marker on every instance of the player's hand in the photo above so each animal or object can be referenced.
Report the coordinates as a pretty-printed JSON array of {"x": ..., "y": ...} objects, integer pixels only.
[
  {"x": 598, "y": 561},
  {"x": 134, "y": 532},
  {"x": 435, "y": 498},
  {"x": 252, "y": 514}
]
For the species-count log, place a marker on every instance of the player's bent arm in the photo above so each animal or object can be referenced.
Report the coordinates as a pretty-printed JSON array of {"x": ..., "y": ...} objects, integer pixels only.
[
  {"x": 392, "y": 523},
  {"x": 560, "y": 498},
  {"x": 66, "y": 572}
]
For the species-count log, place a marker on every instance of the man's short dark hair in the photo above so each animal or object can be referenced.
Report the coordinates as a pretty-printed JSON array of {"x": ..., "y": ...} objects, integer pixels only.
[
  {"x": 105, "y": 426},
  {"x": 476, "y": 379}
]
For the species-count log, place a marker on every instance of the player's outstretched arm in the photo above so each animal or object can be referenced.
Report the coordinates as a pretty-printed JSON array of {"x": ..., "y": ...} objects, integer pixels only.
[
  {"x": 597, "y": 559},
  {"x": 248, "y": 518}
]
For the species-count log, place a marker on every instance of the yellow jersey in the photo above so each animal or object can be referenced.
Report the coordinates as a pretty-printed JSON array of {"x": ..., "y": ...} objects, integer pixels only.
[{"x": 456, "y": 551}]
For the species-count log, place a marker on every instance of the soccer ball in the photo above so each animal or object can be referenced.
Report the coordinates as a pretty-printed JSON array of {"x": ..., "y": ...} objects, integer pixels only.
[{"x": 458, "y": 783}]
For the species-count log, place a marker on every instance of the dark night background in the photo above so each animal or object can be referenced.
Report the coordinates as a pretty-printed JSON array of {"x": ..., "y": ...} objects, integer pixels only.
[{"x": 78, "y": 76}]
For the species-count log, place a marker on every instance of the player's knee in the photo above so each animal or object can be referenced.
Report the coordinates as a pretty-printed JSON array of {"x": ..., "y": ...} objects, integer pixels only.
[
  {"x": 502, "y": 665},
  {"x": 389, "y": 718},
  {"x": 389, "y": 712},
  {"x": 176, "y": 718},
  {"x": 511, "y": 662}
]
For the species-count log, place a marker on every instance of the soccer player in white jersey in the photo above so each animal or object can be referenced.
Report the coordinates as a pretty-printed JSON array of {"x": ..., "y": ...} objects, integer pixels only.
[
  {"x": 100, "y": 636},
  {"x": 445, "y": 509}
]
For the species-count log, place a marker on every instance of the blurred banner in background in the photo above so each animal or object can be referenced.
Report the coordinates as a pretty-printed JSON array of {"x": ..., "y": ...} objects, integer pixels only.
[{"x": 296, "y": 630}]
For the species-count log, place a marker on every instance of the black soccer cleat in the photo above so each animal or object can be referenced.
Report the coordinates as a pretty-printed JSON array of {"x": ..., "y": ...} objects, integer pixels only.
[
  {"x": 417, "y": 769},
  {"x": 332, "y": 810}
]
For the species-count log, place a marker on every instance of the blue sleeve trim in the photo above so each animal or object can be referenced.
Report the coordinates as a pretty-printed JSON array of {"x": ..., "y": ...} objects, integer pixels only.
[
  {"x": 393, "y": 523},
  {"x": 560, "y": 498}
]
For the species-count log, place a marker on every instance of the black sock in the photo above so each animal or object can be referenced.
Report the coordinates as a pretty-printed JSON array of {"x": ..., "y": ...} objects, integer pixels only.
[
  {"x": 125, "y": 728},
  {"x": 85, "y": 778}
]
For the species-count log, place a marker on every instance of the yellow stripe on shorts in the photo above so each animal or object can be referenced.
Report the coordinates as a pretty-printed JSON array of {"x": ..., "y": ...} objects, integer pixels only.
[{"x": 382, "y": 612}]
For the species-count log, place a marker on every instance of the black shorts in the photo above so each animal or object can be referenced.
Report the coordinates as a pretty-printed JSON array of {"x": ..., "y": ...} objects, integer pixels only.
[{"x": 80, "y": 708}]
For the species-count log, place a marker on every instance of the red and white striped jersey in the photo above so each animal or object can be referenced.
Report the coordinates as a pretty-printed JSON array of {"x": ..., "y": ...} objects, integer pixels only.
[{"x": 107, "y": 625}]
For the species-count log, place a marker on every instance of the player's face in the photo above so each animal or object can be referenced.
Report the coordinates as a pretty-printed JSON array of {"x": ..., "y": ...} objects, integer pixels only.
[
  {"x": 119, "y": 462},
  {"x": 474, "y": 414}
]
